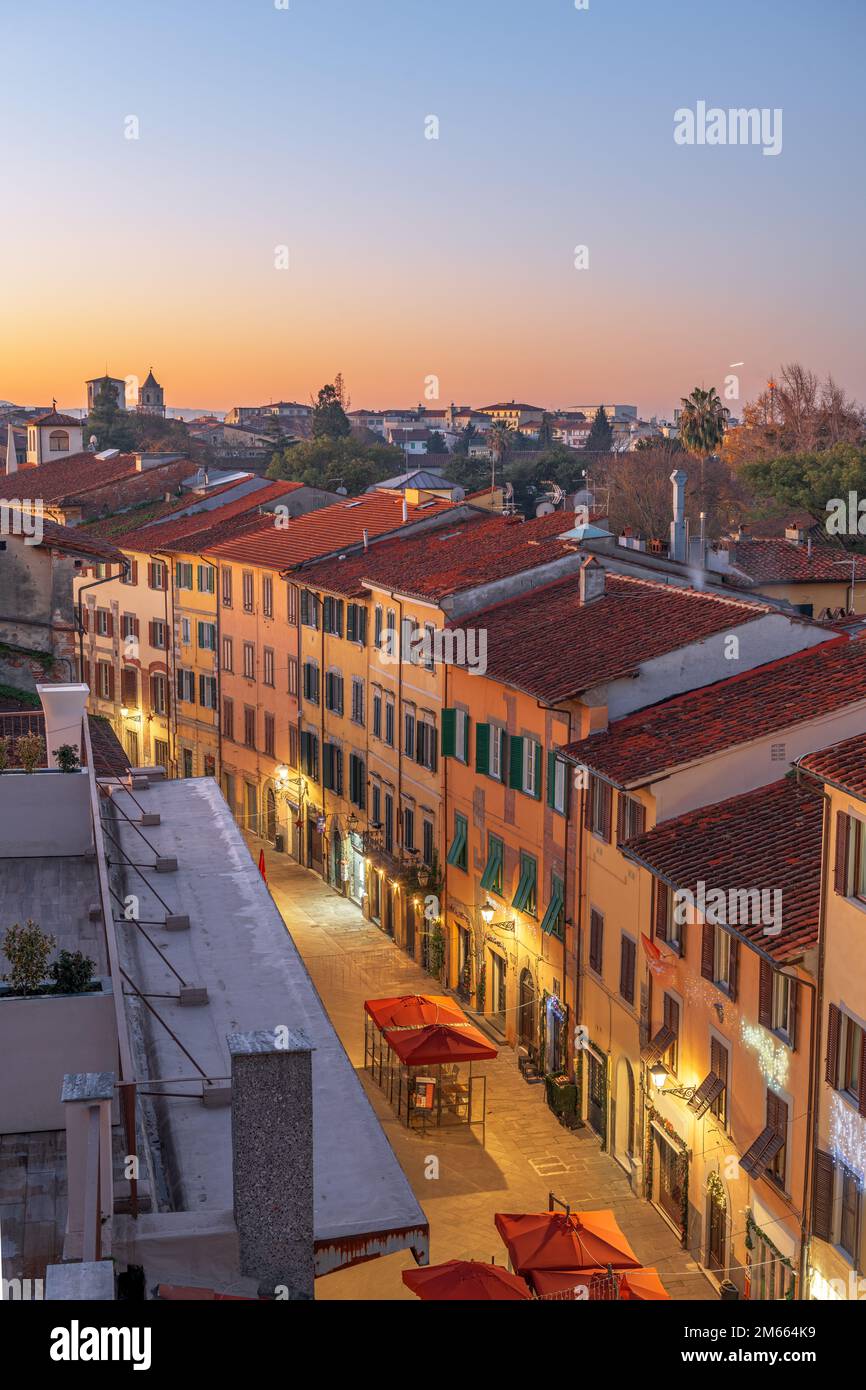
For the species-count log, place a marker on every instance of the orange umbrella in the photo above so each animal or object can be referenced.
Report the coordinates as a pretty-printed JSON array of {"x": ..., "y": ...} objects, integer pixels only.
[
  {"x": 641, "y": 1284},
  {"x": 425, "y": 1047},
  {"x": 414, "y": 1011},
  {"x": 466, "y": 1281},
  {"x": 555, "y": 1240}
]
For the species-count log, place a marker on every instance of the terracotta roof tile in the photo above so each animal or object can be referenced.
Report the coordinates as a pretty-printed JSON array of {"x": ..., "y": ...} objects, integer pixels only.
[
  {"x": 771, "y": 560},
  {"x": 748, "y": 706},
  {"x": 205, "y": 527},
  {"x": 547, "y": 644},
  {"x": 766, "y": 839},
  {"x": 843, "y": 765}
]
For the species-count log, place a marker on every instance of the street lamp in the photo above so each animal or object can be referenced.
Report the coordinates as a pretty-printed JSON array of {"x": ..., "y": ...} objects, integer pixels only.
[
  {"x": 487, "y": 912},
  {"x": 658, "y": 1074}
]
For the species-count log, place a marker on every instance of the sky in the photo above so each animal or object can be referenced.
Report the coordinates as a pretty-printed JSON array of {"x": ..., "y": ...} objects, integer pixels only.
[{"x": 422, "y": 265}]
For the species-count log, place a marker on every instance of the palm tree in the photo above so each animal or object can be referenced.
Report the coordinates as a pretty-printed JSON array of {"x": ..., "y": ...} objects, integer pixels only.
[
  {"x": 702, "y": 425},
  {"x": 499, "y": 440}
]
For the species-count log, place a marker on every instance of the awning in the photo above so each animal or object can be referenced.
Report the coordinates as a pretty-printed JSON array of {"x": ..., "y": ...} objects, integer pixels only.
[
  {"x": 554, "y": 907},
  {"x": 425, "y": 1047},
  {"x": 556, "y": 1240},
  {"x": 414, "y": 1011}
]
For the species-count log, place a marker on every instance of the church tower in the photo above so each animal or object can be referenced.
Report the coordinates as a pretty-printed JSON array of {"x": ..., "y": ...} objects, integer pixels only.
[{"x": 151, "y": 397}]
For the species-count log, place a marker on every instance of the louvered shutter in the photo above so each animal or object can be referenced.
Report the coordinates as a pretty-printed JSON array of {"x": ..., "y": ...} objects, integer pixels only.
[
  {"x": 708, "y": 951},
  {"x": 111, "y": 689},
  {"x": 861, "y": 1103},
  {"x": 85, "y": 618},
  {"x": 351, "y": 613},
  {"x": 537, "y": 756},
  {"x": 449, "y": 732},
  {"x": 620, "y": 816},
  {"x": 765, "y": 995},
  {"x": 109, "y": 624},
  {"x": 482, "y": 747},
  {"x": 822, "y": 1201},
  {"x": 515, "y": 762},
  {"x": 840, "y": 882},
  {"x": 606, "y": 808},
  {"x": 834, "y": 1021},
  {"x": 734, "y": 969},
  {"x": 661, "y": 914},
  {"x": 551, "y": 778},
  {"x": 795, "y": 1015}
]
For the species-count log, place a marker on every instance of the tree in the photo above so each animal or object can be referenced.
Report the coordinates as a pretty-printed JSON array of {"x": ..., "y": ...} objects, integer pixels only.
[
  {"x": 702, "y": 426},
  {"x": 111, "y": 425},
  {"x": 330, "y": 420},
  {"x": 640, "y": 495},
  {"x": 796, "y": 413},
  {"x": 600, "y": 438},
  {"x": 333, "y": 463},
  {"x": 500, "y": 439},
  {"x": 545, "y": 431},
  {"x": 809, "y": 480},
  {"x": 436, "y": 443},
  {"x": 468, "y": 435}
]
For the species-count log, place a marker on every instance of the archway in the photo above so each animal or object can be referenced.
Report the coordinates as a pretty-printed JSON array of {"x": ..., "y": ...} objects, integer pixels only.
[{"x": 623, "y": 1117}]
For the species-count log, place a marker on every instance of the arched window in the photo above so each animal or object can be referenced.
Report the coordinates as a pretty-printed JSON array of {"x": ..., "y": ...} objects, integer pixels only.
[{"x": 58, "y": 442}]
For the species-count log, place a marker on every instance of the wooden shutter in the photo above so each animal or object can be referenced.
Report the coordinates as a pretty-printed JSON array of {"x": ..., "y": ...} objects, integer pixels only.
[
  {"x": 551, "y": 777},
  {"x": 861, "y": 1100},
  {"x": 537, "y": 756},
  {"x": 515, "y": 762},
  {"x": 482, "y": 747},
  {"x": 111, "y": 685},
  {"x": 661, "y": 913},
  {"x": 449, "y": 732},
  {"x": 606, "y": 809},
  {"x": 587, "y": 802},
  {"x": 626, "y": 970},
  {"x": 708, "y": 951},
  {"x": 109, "y": 624},
  {"x": 596, "y": 940},
  {"x": 840, "y": 879},
  {"x": 765, "y": 995},
  {"x": 822, "y": 1199},
  {"x": 834, "y": 1021},
  {"x": 795, "y": 1015},
  {"x": 734, "y": 969},
  {"x": 620, "y": 817},
  {"x": 85, "y": 618}
]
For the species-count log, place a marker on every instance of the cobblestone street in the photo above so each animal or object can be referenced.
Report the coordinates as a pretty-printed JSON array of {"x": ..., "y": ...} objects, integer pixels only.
[{"x": 527, "y": 1152}]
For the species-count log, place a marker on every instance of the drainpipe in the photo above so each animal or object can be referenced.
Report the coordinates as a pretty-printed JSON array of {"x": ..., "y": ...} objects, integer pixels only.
[
  {"x": 568, "y": 894},
  {"x": 170, "y": 658}
]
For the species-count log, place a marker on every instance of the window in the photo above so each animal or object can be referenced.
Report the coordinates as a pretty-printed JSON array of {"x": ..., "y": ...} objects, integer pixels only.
[
  {"x": 206, "y": 579},
  {"x": 228, "y": 654},
  {"x": 130, "y": 576},
  {"x": 292, "y": 605},
  {"x": 357, "y": 700},
  {"x": 671, "y": 1020},
  {"x": 309, "y": 609},
  {"x": 158, "y": 634},
  {"x": 310, "y": 754},
  {"x": 777, "y": 1002},
  {"x": 185, "y": 632},
  {"x": 377, "y": 712},
  {"x": 357, "y": 781},
  {"x": 248, "y": 590},
  {"x": 455, "y": 734},
  {"x": 557, "y": 784},
  {"x": 292, "y": 676},
  {"x": 666, "y": 925},
  {"x": 129, "y": 685},
  {"x": 104, "y": 623},
  {"x": 186, "y": 686},
  {"x": 427, "y": 842},
  {"x": 58, "y": 442},
  {"x": 491, "y": 879},
  {"x": 530, "y": 774},
  {"x": 250, "y": 660},
  {"x": 332, "y": 768},
  {"x": 524, "y": 765},
  {"x": 598, "y": 802},
  {"x": 268, "y": 665},
  {"x": 458, "y": 854},
  {"x": 311, "y": 682},
  {"x": 596, "y": 941},
  {"x": 356, "y": 623},
  {"x": 157, "y": 575},
  {"x": 389, "y": 721},
  {"x": 159, "y": 694},
  {"x": 425, "y": 744},
  {"x": 249, "y": 726},
  {"x": 719, "y": 1065},
  {"x": 720, "y": 958},
  {"x": 267, "y": 596},
  {"x": 105, "y": 680},
  {"x": 849, "y": 1229},
  {"x": 525, "y": 897},
  {"x": 160, "y": 753},
  {"x": 228, "y": 718},
  {"x": 207, "y": 692},
  {"x": 128, "y": 626},
  {"x": 495, "y": 741},
  {"x": 226, "y": 586},
  {"x": 207, "y": 636},
  {"x": 334, "y": 692},
  {"x": 630, "y": 817},
  {"x": 627, "y": 960},
  {"x": 409, "y": 732},
  {"x": 777, "y": 1121},
  {"x": 183, "y": 574},
  {"x": 408, "y": 828},
  {"x": 332, "y": 616},
  {"x": 722, "y": 966},
  {"x": 377, "y": 626},
  {"x": 553, "y": 921},
  {"x": 429, "y": 647}
]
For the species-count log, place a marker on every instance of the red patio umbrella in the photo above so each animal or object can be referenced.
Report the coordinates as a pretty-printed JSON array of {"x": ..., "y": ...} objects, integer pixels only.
[
  {"x": 414, "y": 1011},
  {"x": 425, "y": 1047},
  {"x": 262, "y": 869},
  {"x": 466, "y": 1281},
  {"x": 554, "y": 1240},
  {"x": 634, "y": 1284}
]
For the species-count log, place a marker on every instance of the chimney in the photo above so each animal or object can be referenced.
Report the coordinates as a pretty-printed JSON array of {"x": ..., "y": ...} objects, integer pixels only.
[
  {"x": 11, "y": 453},
  {"x": 272, "y": 1158},
  {"x": 366, "y": 534},
  {"x": 591, "y": 581},
  {"x": 64, "y": 707},
  {"x": 405, "y": 510},
  {"x": 678, "y": 525}
]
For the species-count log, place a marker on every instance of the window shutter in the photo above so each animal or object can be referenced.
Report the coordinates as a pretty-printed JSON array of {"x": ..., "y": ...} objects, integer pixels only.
[
  {"x": 708, "y": 951},
  {"x": 515, "y": 762},
  {"x": 620, "y": 817},
  {"x": 822, "y": 1205},
  {"x": 587, "y": 803},
  {"x": 351, "y": 612},
  {"x": 466, "y": 722},
  {"x": 861, "y": 1100},
  {"x": 639, "y": 818},
  {"x": 85, "y": 618},
  {"x": 834, "y": 1021},
  {"x": 449, "y": 732},
  {"x": 109, "y": 624},
  {"x": 482, "y": 747},
  {"x": 551, "y": 778},
  {"x": 111, "y": 697},
  {"x": 661, "y": 923},
  {"x": 841, "y": 867},
  {"x": 538, "y": 771},
  {"x": 765, "y": 995},
  {"x": 734, "y": 970},
  {"x": 362, "y": 626},
  {"x": 795, "y": 1015},
  {"x": 626, "y": 984},
  {"x": 606, "y": 807}
]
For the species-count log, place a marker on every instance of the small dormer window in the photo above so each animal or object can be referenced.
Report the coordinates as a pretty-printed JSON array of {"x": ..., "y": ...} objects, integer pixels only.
[{"x": 58, "y": 442}]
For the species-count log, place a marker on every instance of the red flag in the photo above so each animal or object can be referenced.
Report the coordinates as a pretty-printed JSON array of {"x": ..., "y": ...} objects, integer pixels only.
[{"x": 262, "y": 869}]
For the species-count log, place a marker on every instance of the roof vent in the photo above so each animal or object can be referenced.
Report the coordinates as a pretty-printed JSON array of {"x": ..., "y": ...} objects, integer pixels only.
[{"x": 591, "y": 581}]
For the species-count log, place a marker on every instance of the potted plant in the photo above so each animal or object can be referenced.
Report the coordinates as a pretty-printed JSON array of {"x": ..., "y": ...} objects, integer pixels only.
[
  {"x": 72, "y": 973},
  {"x": 27, "y": 950},
  {"x": 66, "y": 757},
  {"x": 30, "y": 749}
]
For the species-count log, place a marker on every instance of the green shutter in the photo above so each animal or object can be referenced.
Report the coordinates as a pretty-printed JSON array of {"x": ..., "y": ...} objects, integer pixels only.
[
  {"x": 350, "y": 622},
  {"x": 457, "y": 852},
  {"x": 551, "y": 779},
  {"x": 525, "y": 885},
  {"x": 492, "y": 876},
  {"x": 538, "y": 771},
  {"x": 551, "y": 917},
  {"x": 515, "y": 762},
  {"x": 482, "y": 747},
  {"x": 466, "y": 722},
  {"x": 449, "y": 733}
]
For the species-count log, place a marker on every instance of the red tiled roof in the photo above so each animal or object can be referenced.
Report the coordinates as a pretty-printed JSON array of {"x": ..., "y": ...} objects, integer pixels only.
[
  {"x": 547, "y": 644},
  {"x": 436, "y": 563},
  {"x": 326, "y": 530},
  {"x": 772, "y": 560},
  {"x": 54, "y": 417},
  {"x": 748, "y": 706},
  {"x": 74, "y": 541},
  {"x": 80, "y": 473},
  {"x": 769, "y": 839},
  {"x": 207, "y": 526},
  {"x": 843, "y": 765}
]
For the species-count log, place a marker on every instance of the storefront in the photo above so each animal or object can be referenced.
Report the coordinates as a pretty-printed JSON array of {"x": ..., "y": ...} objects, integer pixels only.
[
  {"x": 357, "y": 885},
  {"x": 667, "y": 1175}
]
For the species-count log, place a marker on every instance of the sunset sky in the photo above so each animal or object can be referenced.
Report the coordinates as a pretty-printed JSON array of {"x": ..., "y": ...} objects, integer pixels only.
[{"x": 409, "y": 257}]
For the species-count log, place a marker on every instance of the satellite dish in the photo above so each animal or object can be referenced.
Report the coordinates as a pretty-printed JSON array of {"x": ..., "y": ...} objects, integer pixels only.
[
  {"x": 544, "y": 509},
  {"x": 93, "y": 441},
  {"x": 343, "y": 491}
]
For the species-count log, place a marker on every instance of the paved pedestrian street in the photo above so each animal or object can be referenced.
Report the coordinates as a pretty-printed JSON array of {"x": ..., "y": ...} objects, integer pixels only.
[{"x": 527, "y": 1152}]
